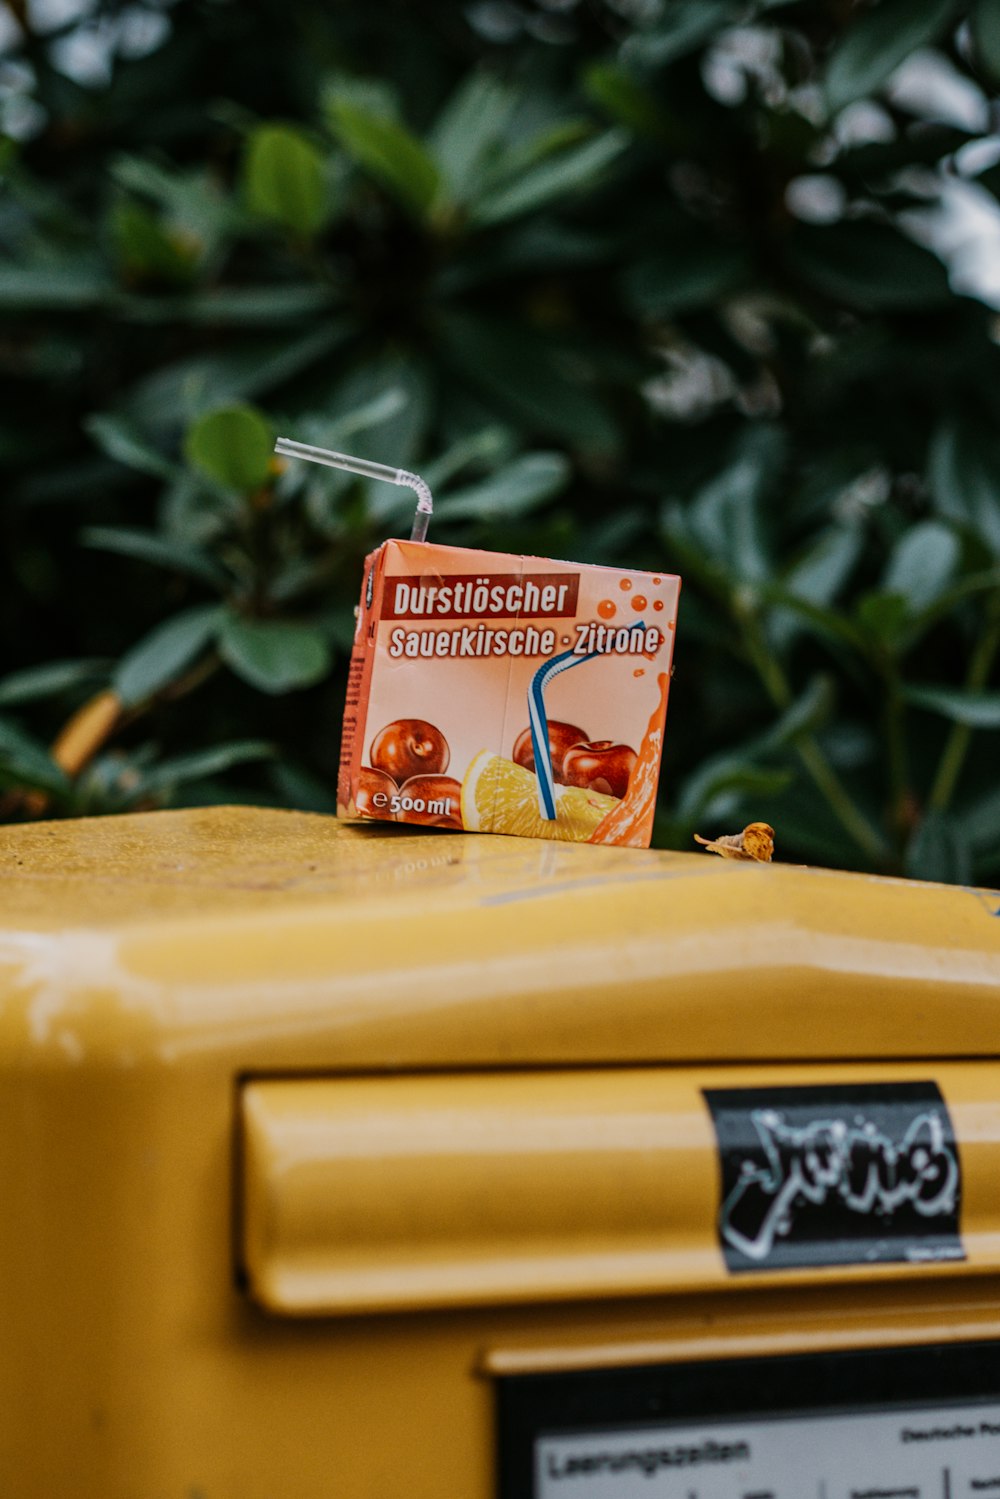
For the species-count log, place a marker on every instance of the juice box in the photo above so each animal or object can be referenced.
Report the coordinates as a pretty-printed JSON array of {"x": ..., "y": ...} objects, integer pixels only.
[{"x": 505, "y": 694}]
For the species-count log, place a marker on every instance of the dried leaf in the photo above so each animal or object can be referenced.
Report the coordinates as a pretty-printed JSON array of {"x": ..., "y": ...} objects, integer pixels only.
[{"x": 756, "y": 842}]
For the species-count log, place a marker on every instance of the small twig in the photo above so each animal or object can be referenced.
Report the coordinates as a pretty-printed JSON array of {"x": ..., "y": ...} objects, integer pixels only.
[
  {"x": 200, "y": 673},
  {"x": 900, "y": 797},
  {"x": 825, "y": 778},
  {"x": 86, "y": 733},
  {"x": 79, "y": 740},
  {"x": 76, "y": 744}
]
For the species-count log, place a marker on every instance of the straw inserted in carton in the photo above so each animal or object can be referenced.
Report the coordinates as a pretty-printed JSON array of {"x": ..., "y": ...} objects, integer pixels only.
[{"x": 368, "y": 469}]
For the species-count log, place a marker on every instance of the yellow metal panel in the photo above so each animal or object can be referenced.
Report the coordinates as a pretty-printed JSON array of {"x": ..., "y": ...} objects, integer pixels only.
[
  {"x": 284, "y": 940},
  {"x": 368, "y": 1195},
  {"x": 149, "y": 964},
  {"x": 373, "y": 1195}
]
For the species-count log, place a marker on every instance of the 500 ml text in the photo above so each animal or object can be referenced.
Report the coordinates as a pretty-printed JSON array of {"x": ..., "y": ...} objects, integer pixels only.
[{"x": 436, "y": 806}]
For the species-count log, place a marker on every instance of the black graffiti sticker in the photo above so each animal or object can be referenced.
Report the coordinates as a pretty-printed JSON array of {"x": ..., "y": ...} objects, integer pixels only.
[{"x": 836, "y": 1175}]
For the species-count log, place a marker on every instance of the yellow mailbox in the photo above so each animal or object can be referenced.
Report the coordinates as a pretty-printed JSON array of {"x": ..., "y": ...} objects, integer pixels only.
[{"x": 356, "y": 1163}]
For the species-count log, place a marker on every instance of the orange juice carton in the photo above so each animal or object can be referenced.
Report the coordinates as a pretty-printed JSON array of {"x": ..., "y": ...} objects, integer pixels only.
[{"x": 506, "y": 694}]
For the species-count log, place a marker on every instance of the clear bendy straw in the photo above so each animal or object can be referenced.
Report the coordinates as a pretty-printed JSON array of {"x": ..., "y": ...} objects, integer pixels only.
[{"x": 368, "y": 470}]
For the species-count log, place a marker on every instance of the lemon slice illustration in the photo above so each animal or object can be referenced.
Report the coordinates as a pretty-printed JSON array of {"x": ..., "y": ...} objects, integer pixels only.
[{"x": 501, "y": 797}]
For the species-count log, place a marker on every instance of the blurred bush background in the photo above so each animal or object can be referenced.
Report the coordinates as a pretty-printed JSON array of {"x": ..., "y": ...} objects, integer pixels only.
[{"x": 689, "y": 284}]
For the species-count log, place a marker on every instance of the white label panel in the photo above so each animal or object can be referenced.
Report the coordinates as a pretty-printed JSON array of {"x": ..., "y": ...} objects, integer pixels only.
[{"x": 948, "y": 1452}]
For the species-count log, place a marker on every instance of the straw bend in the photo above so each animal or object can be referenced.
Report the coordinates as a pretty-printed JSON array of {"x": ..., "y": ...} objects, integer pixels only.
[{"x": 368, "y": 469}]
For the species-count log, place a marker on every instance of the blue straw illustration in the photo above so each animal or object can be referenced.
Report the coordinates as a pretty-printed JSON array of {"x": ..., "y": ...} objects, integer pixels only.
[{"x": 539, "y": 723}]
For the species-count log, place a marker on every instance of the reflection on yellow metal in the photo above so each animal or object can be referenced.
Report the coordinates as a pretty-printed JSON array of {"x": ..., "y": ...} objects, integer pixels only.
[
  {"x": 379, "y": 1194},
  {"x": 191, "y": 1002}
]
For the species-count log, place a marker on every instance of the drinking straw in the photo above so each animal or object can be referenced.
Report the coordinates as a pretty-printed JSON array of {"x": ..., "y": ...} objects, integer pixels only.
[
  {"x": 368, "y": 469},
  {"x": 539, "y": 723}
]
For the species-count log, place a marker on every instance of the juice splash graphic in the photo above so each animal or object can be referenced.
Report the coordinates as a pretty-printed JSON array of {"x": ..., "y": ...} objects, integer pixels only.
[
  {"x": 466, "y": 708},
  {"x": 630, "y": 822}
]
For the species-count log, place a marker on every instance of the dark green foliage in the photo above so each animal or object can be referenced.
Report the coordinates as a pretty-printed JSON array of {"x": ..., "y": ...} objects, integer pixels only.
[{"x": 622, "y": 281}]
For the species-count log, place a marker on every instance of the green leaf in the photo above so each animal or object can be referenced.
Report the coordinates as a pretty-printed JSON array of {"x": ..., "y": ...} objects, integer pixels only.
[
  {"x": 727, "y": 776},
  {"x": 826, "y": 622},
  {"x": 614, "y": 539},
  {"x": 681, "y": 27},
  {"x": 978, "y": 710},
  {"x": 683, "y": 277},
  {"x": 148, "y": 249},
  {"x": 382, "y": 409},
  {"x": 869, "y": 162},
  {"x": 387, "y": 150},
  {"x": 284, "y": 179},
  {"x": 882, "y": 616},
  {"x": 48, "y": 681},
  {"x": 123, "y": 441},
  {"x": 194, "y": 510},
  {"x": 191, "y": 201},
  {"x": 922, "y": 565},
  {"x": 822, "y": 571},
  {"x": 299, "y": 788},
  {"x": 376, "y": 96},
  {"x": 195, "y": 767},
  {"x": 164, "y": 653},
  {"x": 739, "y": 771},
  {"x": 725, "y": 516},
  {"x": 572, "y": 170},
  {"x": 233, "y": 446},
  {"x": 966, "y": 588},
  {"x": 486, "y": 447},
  {"x": 338, "y": 624},
  {"x": 869, "y": 266},
  {"x": 175, "y": 392},
  {"x": 146, "y": 546},
  {"x": 625, "y": 99},
  {"x": 511, "y": 492},
  {"x": 27, "y": 762},
  {"x": 939, "y": 851},
  {"x": 274, "y": 656},
  {"x": 234, "y": 306},
  {"x": 530, "y": 147},
  {"x": 816, "y": 578},
  {"x": 531, "y": 377},
  {"x": 536, "y": 243},
  {"x": 963, "y": 473},
  {"x": 984, "y": 22},
  {"x": 52, "y": 288},
  {"x": 805, "y": 716},
  {"x": 468, "y": 129},
  {"x": 876, "y": 43},
  {"x": 692, "y": 558},
  {"x": 979, "y": 822}
]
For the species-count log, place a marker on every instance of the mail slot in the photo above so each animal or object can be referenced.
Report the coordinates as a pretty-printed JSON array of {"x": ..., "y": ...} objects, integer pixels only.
[
  {"x": 370, "y": 1195},
  {"x": 365, "y": 1161}
]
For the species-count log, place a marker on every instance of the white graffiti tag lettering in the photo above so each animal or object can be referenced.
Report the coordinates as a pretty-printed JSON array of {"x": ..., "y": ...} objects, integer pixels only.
[{"x": 856, "y": 1164}]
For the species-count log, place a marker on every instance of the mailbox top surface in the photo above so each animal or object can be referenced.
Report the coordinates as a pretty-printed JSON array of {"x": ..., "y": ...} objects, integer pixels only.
[
  {"x": 158, "y": 866},
  {"x": 369, "y": 946},
  {"x": 209, "y": 863}
]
